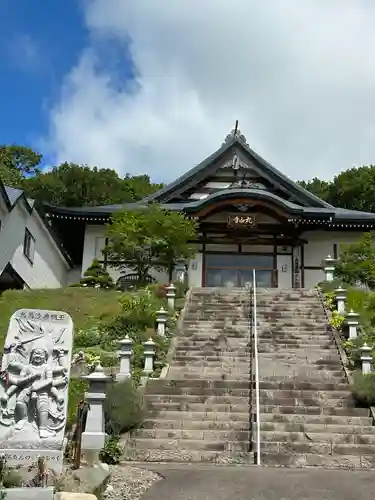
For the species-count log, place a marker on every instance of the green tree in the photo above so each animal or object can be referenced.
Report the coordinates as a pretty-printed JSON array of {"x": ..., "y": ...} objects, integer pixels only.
[
  {"x": 150, "y": 237},
  {"x": 96, "y": 276},
  {"x": 357, "y": 263},
  {"x": 15, "y": 162},
  {"x": 321, "y": 189},
  {"x": 78, "y": 185},
  {"x": 353, "y": 189}
]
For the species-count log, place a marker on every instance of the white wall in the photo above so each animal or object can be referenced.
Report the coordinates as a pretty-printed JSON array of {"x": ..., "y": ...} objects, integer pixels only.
[
  {"x": 195, "y": 271},
  {"x": 49, "y": 268},
  {"x": 320, "y": 245},
  {"x": 284, "y": 271}
]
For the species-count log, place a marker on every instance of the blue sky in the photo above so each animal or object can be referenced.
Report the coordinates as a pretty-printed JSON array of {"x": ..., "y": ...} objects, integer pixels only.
[{"x": 39, "y": 43}]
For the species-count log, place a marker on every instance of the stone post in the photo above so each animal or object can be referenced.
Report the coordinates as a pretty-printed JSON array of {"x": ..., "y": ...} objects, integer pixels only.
[
  {"x": 328, "y": 268},
  {"x": 366, "y": 359},
  {"x": 352, "y": 320},
  {"x": 161, "y": 319},
  {"x": 340, "y": 294},
  {"x": 94, "y": 437},
  {"x": 179, "y": 270},
  {"x": 149, "y": 353},
  {"x": 171, "y": 296},
  {"x": 125, "y": 353}
]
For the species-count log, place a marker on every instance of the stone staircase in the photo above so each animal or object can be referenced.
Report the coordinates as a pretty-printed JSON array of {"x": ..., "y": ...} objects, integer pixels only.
[
  {"x": 201, "y": 412},
  {"x": 307, "y": 415}
]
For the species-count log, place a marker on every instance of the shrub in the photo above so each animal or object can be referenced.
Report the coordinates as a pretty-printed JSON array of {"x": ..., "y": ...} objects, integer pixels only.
[
  {"x": 96, "y": 276},
  {"x": 112, "y": 452},
  {"x": 363, "y": 389},
  {"x": 336, "y": 320},
  {"x": 88, "y": 337},
  {"x": 123, "y": 408},
  {"x": 12, "y": 479}
]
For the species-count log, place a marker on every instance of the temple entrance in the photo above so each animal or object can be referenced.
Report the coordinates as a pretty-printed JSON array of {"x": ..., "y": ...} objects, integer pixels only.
[{"x": 235, "y": 270}]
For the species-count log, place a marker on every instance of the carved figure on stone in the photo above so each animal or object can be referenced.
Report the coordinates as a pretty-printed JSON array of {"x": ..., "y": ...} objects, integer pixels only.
[{"x": 34, "y": 377}]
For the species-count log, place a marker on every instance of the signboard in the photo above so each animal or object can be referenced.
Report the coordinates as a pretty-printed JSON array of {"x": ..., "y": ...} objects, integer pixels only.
[{"x": 245, "y": 221}]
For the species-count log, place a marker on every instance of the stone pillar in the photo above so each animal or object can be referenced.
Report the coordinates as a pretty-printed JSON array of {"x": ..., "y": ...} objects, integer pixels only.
[
  {"x": 328, "y": 268},
  {"x": 125, "y": 353},
  {"x": 179, "y": 270},
  {"x": 149, "y": 353},
  {"x": 161, "y": 319},
  {"x": 340, "y": 294},
  {"x": 171, "y": 296},
  {"x": 352, "y": 320},
  {"x": 94, "y": 437},
  {"x": 366, "y": 359}
]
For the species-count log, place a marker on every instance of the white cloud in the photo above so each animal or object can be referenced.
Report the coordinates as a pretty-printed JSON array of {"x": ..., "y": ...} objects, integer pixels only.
[{"x": 299, "y": 76}]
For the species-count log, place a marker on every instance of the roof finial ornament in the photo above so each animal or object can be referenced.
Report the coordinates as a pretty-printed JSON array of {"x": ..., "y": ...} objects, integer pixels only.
[{"x": 236, "y": 133}]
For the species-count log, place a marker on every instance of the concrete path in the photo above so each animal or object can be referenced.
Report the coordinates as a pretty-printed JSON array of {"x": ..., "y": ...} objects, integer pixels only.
[{"x": 192, "y": 482}]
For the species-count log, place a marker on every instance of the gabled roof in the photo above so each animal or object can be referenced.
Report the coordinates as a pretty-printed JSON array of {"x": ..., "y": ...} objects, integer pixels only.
[
  {"x": 13, "y": 196},
  {"x": 236, "y": 141}
]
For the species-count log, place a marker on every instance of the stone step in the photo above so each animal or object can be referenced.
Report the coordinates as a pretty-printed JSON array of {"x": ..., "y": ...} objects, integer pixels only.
[
  {"x": 316, "y": 437},
  {"x": 180, "y": 374},
  {"x": 199, "y": 425},
  {"x": 291, "y": 427},
  {"x": 191, "y": 444},
  {"x": 198, "y": 407},
  {"x": 190, "y": 456},
  {"x": 273, "y": 395},
  {"x": 302, "y": 386},
  {"x": 202, "y": 416},
  {"x": 313, "y": 410},
  {"x": 198, "y": 391},
  {"x": 316, "y": 460},
  {"x": 196, "y": 398},
  {"x": 318, "y": 448},
  {"x": 211, "y": 384},
  {"x": 220, "y": 435},
  {"x": 307, "y": 401},
  {"x": 209, "y": 363},
  {"x": 157, "y": 385},
  {"x": 321, "y": 420},
  {"x": 210, "y": 358}
]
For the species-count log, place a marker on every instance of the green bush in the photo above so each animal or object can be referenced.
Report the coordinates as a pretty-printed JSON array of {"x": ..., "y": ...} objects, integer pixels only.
[
  {"x": 96, "y": 276},
  {"x": 123, "y": 408},
  {"x": 112, "y": 452},
  {"x": 363, "y": 389},
  {"x": 12, "y": 479},
  {"x": 88, "y": 337}
]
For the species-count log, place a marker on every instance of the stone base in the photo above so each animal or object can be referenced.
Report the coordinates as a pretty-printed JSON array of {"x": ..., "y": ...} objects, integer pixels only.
[
  {"x": 29, "y": 493},
  {"x": 25, "y": 457}
]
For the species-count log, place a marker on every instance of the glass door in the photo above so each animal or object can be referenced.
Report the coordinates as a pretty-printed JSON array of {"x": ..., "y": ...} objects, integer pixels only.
[{"x": 235, "y": 270}]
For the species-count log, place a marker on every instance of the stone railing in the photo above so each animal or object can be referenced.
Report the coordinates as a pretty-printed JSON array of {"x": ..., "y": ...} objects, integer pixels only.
[{"x": 351, "y": 318}]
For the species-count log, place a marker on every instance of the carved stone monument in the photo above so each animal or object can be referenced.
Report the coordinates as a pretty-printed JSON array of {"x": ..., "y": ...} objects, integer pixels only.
[{"x": 34, "y": 387}]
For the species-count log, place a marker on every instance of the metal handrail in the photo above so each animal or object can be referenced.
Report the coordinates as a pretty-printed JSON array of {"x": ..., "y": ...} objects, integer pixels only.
[
  {"x": 249, "y": 288},
  {"x": 256, "y": 368}
]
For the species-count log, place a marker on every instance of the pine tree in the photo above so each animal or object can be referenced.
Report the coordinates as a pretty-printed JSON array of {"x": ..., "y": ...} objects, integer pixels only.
[{"x": 96, "y": 276}]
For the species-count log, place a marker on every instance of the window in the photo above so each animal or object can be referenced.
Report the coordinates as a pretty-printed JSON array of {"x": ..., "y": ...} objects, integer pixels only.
[{"x": 29, "y": 246}]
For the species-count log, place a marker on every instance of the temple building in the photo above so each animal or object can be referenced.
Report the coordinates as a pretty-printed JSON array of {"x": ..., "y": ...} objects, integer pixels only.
[{"x": 250, "y": 216}]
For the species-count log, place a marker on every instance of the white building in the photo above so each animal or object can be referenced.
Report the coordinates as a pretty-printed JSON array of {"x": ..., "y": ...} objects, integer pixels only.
[
  {"x": 30, "y": 254},
  {"x": 251, "y": 216}
]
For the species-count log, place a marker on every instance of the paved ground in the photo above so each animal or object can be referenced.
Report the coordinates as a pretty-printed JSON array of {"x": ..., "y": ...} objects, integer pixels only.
[{"x": 204, "y": 482}]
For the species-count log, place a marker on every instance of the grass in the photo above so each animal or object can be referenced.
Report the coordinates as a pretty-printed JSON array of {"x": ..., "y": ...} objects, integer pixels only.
[{"x": 86, "y": 306}]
